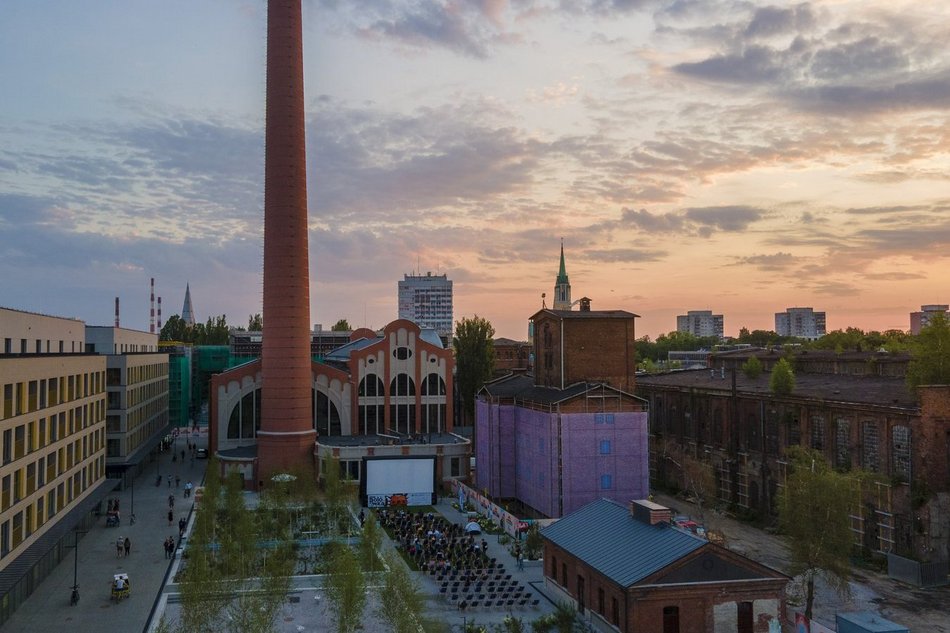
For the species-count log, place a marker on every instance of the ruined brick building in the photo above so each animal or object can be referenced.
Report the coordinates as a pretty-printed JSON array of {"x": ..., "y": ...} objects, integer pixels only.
[{"x": 854, "y": 407}]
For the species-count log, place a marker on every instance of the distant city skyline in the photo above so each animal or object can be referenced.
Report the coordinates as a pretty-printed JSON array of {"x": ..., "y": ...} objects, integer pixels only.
[{"x": 743, "y": 155}]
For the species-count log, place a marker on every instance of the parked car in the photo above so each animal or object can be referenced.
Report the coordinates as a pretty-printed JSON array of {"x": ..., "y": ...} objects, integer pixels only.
[{"x": 201, "y": 453}]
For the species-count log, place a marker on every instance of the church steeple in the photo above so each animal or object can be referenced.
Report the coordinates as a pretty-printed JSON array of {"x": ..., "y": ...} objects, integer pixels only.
[
  {"x": 187, "y": 312},
  {"x": 562, "y": 286}
]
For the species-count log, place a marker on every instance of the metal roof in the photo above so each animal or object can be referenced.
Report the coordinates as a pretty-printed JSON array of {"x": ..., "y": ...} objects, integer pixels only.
[
  {"x": 604, "y": 535},
  {"x": 874, "y": 390}
]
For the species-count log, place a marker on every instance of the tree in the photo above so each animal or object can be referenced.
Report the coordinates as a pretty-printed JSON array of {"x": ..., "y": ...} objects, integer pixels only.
[
  {"x": 474, "y": 358},
  {"x": 370, "y": 541},
  {"x": 174, "y": 329},
  {"x": 400, "y": 600},
  {"x": 255, "y": 322},
  {"x": 930, "y": 354},
  {"x": 341, "y": 326},
  {"x": 782, "y": 381},
  {"x": 345, "y": 588},
  {"x": 752, "y": 368},
  {"x": 813, "y": 514}
]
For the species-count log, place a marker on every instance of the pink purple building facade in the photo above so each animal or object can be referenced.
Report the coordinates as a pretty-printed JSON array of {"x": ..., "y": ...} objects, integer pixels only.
[{"x": 556, "y": 450}]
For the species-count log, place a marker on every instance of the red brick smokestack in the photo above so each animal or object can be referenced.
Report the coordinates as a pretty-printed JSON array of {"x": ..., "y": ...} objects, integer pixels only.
[{"x": 287, "y": 434}]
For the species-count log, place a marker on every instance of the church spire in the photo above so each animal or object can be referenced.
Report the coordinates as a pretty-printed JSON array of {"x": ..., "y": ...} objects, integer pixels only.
[
  {"x": 562, "y": 286},
  {"x": 562, "y": 272},
  {"x": 187, "y": 312}
]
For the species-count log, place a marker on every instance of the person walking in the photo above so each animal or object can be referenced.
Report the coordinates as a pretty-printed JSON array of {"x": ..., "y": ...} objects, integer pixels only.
[
  {"x": 171, "y": 517},
  {"x": 119, "y": 547},
  {"x": 171, "y": 501},
  {"x": 177, "y": 478},
  {"x": 127, "y": 545},
  {"x": 169, "y": 481}
]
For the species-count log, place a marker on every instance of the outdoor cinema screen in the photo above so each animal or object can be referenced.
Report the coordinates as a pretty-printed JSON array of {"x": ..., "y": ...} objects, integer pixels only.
[{"x": 402, "y": 481}]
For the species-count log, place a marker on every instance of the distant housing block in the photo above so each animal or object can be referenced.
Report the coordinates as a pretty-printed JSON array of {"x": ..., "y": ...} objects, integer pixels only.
[{"x": 700, "y": 323}]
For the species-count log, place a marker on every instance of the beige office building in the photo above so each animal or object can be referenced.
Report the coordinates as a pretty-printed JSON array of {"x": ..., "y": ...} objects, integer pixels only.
[{"x": 53, "y": 446}]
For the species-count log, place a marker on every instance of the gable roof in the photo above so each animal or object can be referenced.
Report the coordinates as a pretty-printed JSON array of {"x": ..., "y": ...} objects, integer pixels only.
[{"x": 604, "y": 535}]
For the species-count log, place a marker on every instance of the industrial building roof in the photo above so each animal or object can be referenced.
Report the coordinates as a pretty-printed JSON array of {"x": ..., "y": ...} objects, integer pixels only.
[
  {"x": 606, "y": 536},
  {"x": 522, "y": 387},
  {"x": 871, "y": 390}
]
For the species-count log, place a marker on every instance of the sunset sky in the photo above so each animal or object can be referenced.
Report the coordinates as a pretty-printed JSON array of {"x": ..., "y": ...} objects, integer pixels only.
[{"x": 730, "y": 155}]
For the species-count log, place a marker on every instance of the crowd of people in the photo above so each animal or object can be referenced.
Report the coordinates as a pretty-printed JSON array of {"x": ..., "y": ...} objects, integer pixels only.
[{"x": 435, "y": 544}]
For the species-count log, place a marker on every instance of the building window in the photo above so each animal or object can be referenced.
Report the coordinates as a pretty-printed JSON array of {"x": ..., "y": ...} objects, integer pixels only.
[
  {"x": 371, "y": 385},
  {"x": 605, "y": 447},
  {"x": 326, "y": 416},
  {"x": 601, "y": 600},
  {"x": 554, "y": 568},
  {"x": 671, "y": 620},
  {"x": 456, "y": 470},
  {"x": 433, "y": 385},
  {"x": 744, "y": 616},
  {"x": 564, "y": 574},
  {"x": 606, "y": 482}
]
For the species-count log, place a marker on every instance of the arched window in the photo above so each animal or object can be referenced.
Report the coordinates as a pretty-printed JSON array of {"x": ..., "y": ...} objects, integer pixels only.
[
  {"x": 371, "y": 385},
  {"x": 245, "y": 418},
  {"x": 401, "y": 386},
  {"x": 433, "y": 385},
  {"x": 326, "y": 417}
]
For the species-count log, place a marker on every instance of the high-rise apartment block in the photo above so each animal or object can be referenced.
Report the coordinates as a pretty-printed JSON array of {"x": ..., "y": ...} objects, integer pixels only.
[
  {"x": 426, "y": 300},
  {"x": 800, "y": 322},
  {"x": 700, "y": 323},
  {"x": 921, "y": 319}
]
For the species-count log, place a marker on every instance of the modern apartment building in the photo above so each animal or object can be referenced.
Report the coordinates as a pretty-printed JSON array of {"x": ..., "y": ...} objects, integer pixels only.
[
  {"x": 53, "y": 441},
  {"x": 800, "y": 322},
  {"x": 700, "y": 323},
  {"x": 137, "y": 386},
  {"x": 921, "y": 319},
  {"x": 426, "y": 300}
]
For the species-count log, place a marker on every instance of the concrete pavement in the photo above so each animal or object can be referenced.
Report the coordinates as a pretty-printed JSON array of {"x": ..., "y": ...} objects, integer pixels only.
[{"x": 48, "y": 609}]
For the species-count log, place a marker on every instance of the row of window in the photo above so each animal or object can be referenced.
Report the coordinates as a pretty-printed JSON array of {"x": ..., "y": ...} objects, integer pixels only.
[
  {"x": 401, "y": 385},
  {"x": 24, "y": 346},
  {"x": 749, "y": 431},
  {"x": 29, "y": 478},
  {"x": 25, "y": 522},
  {"x": 26, "y": 397},
  {"x": 26, "y": 438}
]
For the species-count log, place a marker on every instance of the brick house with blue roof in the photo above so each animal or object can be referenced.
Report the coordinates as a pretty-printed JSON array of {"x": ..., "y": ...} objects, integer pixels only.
[{"x": 629, "y": 569}]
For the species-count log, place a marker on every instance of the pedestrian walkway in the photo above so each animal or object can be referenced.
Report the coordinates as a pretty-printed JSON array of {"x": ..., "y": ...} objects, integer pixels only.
[{"x": 48, "y": 609}]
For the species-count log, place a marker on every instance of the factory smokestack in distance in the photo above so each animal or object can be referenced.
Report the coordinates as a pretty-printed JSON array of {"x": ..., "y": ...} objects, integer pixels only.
[
  {"x": 151, "y": 303},
  {"x": 117, "y": 312},
  {"x": 159, "y": 314}
]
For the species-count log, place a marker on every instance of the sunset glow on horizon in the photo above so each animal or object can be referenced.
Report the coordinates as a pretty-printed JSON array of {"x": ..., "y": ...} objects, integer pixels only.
[{"x": 740, "y": 157}]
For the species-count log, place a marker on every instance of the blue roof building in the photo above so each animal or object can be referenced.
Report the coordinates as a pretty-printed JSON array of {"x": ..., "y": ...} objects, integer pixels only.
[{"x": 628, "y": 567}]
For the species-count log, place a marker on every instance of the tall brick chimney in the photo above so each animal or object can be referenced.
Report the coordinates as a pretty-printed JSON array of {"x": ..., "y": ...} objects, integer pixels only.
[{"x": 286, "y": 438}]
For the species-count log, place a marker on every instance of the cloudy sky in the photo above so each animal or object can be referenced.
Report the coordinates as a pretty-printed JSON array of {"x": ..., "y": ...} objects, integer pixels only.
[{"x": 731, "y": 155}]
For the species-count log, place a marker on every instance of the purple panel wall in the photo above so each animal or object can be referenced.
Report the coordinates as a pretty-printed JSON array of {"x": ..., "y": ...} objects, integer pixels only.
[
  {"x": 536, "y": 460},
  {"x": 506, "y": 452},
  {"x": 494, "y": 450},
  {"x": 483, "y": 433},
  {"x": 604, "y": 455}
]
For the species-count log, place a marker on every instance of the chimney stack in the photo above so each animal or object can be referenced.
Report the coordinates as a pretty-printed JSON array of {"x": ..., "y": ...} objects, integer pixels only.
[
  {"x": 151, "y": 303},
  {"x": 159, "y": 314},
  {"x": 117, "y": 312},
  {"x": 585, "y": 304},
  {"x": 650, "y": 513}
]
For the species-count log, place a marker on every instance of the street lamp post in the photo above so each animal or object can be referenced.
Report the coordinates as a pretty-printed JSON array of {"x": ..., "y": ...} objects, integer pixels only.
[{"x": 74, "y": 598}]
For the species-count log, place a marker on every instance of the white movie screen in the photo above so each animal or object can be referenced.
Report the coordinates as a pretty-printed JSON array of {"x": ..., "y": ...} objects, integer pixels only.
[{"x": 399, "y": 482}]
